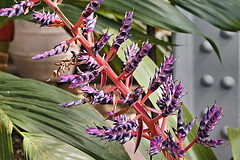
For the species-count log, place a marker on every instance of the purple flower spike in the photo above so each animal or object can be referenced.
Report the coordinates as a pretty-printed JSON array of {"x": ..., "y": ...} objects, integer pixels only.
[
  {"x": 102, "y": 98},
  {"x": 99, "y": 44},
  {"x": 17, "y": 9},
  {"x": 58, "y": 49},
  {"x": 90, "y": 24},
  {"x": 134, "y": 96},
  {"x": 92, "y": 6},
  {"x": 89, "y": 90},
  {"x": 122, "y": 131},
  {"x": 90, "y": 61},
  {"x": 92, "y": 96},
  {"x": 170, "y": 100},
  {"x": 132, "y": 65},
  {"x": 71, "y": 104},
  {"x": 173, "y": 147},
  {"x": 164, "y": 71},
  {"x": 182, "y": 130},
  {"x": 155, "y": 146},
  {"x": 80, "y": 79},
  {"x": 207, "y": 124},
  {"x": 45, "y": 19},
  {"x": 209, "y": 142},
  {"x": 131, "y": 52},
  {"x": 123, "y": 31},
  {"x": 209, "y": 121}
]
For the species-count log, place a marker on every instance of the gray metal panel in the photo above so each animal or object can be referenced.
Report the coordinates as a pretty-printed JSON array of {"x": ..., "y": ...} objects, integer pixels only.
[{"x": 207, "y": 80}]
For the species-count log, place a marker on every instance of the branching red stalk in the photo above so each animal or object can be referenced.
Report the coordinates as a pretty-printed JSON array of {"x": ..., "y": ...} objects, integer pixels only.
[
  {"x": 146, "y": 97},
  {"x": 164, "y": 123},
  {"x": 180, "y": 141},
  {"x": 112, "y": 50},
  {"x": 191, "y": 144},
  {"x": 156, "y": 131}
]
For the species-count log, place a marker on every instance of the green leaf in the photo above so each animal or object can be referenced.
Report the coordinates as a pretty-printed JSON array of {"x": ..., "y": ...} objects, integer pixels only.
[
  {"x": 73, "y": 13},
  {"x": 221, "y": 13},
  {"x": 234, "y": 137},
  {"x": 159, "y": 14},
  {"x": 33, "y": 106},
  {"x": 42, "y": 146},
  {"x": 6, "y": 126},
  {"x": 147, "y": 68}
]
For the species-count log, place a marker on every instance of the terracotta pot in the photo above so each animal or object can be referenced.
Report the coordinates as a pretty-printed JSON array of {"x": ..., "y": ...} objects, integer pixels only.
[{"x": 31, "y": 40}]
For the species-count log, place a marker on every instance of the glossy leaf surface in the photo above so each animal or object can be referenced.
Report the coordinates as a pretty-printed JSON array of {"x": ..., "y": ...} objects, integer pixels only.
[
  {"x": 33, "y": 106},
  {"x": 234, "y": 137},
  {"x": 221, "y": 13},
  {"x": 6, "y": 127}
]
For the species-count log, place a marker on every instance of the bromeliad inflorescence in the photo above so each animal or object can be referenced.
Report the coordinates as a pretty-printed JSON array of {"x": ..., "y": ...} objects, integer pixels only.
[{"x": 142, "y": 125}]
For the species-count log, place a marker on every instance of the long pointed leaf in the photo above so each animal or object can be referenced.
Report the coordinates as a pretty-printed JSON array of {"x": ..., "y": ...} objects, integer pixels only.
[
  {"x": 33, "y": 106},
  {"x": 41, "y": 146},
  {"x": 6, "y": 148},
  {"x": 221, "y": 13},
  {"x": 234, "y": 137},
  {"x": 139, "y": 133}
]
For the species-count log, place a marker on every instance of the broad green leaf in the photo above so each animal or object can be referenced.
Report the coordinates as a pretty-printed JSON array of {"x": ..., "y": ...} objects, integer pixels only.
[
  {"x": 234, "y": 137},
  {"x": 33, "y": 106},
  {"x": 41, "y": 146},
  {"x": 221, "y": 13},
  {"x": 73, "y": 13},
  {"x": 159, "y": 14},
  {"x": 147, "y": 68},
  {"x": 6, "y": 126}
]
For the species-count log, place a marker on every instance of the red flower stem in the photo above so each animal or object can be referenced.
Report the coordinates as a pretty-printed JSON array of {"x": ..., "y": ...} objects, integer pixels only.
[
  {"x": 110, "y": 89},
  {"x": 34, "y": 1},
  {"x": 147, "y": 136},
  {"x": 180, "y": 141},
  {"x": 163, "y": 123},
  {"x": 190, "y": 144},
  {"x": 71, "y": 40},
  {"x": 90, "y": 37},
  {"x": 156, "y": 119},
  {"x": 146, "y": 97},
  {"x": 154, "y": 129},
  {"x": 128, "y": 75},
  {"x": 78, "y": 23},
  {"x": 121, "y": 75},
  {"x": 127, "y": 82},
  {"x": 112, "y": 50}
]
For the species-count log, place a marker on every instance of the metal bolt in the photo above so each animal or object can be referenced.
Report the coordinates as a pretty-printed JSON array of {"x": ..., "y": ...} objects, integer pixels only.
[
  {"x": 227, "y": 34},
  {"x": 207, "y": 80},
  {"x": 206, "y": 47},
  {"x": 227, "y": 82}
]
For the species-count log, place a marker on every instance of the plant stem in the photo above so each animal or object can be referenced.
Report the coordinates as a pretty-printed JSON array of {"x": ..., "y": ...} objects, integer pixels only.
[
  {"x": 146, "y": 96},
  {"x": 191, "y": 144},
  {"x": 163, "y": 123},
  {"x": 112, "y": 75}
]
